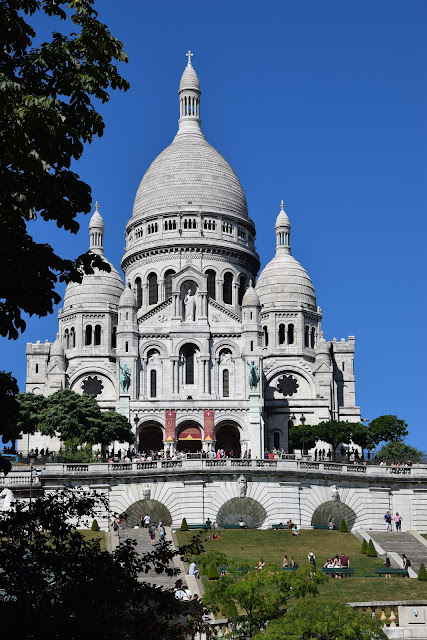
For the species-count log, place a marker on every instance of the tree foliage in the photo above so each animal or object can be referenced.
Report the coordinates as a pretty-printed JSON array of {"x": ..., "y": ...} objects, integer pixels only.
[
  {"x": 395, "y": 451},
  {"x": 49, "y": 94},
  {"x": 260, "y": 596},
  {"x": 76, "y": 419},
  {"x": 334, "y": 432},
  {"x": 323, "y": 621},
  {"x": 386, "y": 428},
  {"x": 296, "y": 436},
  {"x": 59, "y": 585}
]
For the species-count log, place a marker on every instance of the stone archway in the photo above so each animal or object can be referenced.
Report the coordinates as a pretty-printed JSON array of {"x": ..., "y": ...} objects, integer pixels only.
[
  {"x": 189, "y": 437},
  {"x": 150, "y": 437},
  {"x": 251, "y": 511},
  {"x": 228, "y": 438},
  {"x": 336, "y": 511},
  {"x": 155, "y": 509}
]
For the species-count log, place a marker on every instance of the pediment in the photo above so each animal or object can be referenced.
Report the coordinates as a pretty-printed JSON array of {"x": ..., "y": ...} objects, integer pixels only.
[
  {"x": 322, "y": 368},
  {"x": 56, "y": 369}
]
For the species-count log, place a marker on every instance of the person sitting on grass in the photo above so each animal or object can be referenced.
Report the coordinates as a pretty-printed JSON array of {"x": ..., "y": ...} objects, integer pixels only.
[
  {"x": 285, "y": 562},
  {"x": 387, "y": 566},
  {"x": 194, "y": 570},
  {"x": 293, "y": 563},
  {"x": 215, "y": 536},
  {"x": 295, "y": 531},
  {"x": 290, "y": 524},
  {"x": 260, "y": 565}
]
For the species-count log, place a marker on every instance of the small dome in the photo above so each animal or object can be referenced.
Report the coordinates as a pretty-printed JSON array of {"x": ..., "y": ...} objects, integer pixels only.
[
  {"x": 284, "y": 282},
  {"x": 127, "y": 299},
  {"x": 96, "y": 220},
  {"x": 250, "y": 299},
  {"x": 189, "y": 79},
  {"x": 96, "y": 290},
  {"x": 57, "y": 349},
  {"x": 282, "y": 219},
  {"x": 322, "y": 347}
]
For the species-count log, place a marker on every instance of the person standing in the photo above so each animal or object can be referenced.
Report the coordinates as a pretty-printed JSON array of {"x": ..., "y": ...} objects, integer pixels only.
[
  {"x": 152, "y": 533},
  {"x": 387, "y": 519},
  {"x": 146, "y": 521},
  {"x": 312, "y": 559},
  {"x": 398, "y": 521}
]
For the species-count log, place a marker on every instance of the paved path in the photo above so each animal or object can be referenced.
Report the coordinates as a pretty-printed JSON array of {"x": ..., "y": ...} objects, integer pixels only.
[
  {"x": 144, "y": 546},
  {"x": 399, "y": 543}
]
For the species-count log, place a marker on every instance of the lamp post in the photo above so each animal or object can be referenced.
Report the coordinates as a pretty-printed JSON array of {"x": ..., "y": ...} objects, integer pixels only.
[
  {"x": 302, "y": 420},
  {"x": 30, "y": 458}
]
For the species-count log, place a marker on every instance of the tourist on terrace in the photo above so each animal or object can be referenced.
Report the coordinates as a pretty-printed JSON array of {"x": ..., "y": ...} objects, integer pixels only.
[{"x": 398, "y": 521}]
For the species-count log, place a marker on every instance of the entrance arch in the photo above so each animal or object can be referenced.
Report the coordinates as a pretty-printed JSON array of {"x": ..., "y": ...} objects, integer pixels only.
[
  {"x": 189, "y": 437},
  {"x": 251, "y": 512},
  {"x": 228, "y": 438},
  {"x": 155, "y": 509},
  {"x": 336, "y": 511},
  {"x": 150, "y": 437}
]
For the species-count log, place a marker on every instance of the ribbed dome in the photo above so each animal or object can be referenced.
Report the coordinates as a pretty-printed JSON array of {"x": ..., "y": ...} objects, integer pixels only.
[
  {"x": 190, "y": 171},
  {"x": 189, "y": 79},
  {"x": 96, "y": 290},
  {"x": 96, "y": 220},
  {"x": 127, "y": 299},
  {"x": 250, "y": 299},
  {"x": 285, "y": 283}
]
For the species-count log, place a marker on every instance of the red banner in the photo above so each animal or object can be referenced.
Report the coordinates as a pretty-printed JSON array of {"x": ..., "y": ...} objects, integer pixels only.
[
  {"x": 190, "y": 433},
  {"x": 170, "y": 425},
  {"x": 209, "y": 425}
]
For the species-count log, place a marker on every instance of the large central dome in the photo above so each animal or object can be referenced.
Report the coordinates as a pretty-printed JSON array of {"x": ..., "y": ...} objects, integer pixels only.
[{"x": 190, "y": 171}]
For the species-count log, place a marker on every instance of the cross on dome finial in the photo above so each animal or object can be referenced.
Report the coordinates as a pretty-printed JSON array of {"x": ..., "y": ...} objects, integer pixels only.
[
  {"x": 189, "y": 56},
  {"x": 97, "y": 207},
  {"x": 282, "y": 206}
]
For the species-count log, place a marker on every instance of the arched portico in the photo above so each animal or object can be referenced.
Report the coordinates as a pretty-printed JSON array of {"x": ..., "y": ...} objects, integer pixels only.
[
  {"x": 249, "y": 510},
  {"x": 150, "y": 437},
  {"x": 227, "y": 436},
  {"x": 333, "y": 510},
  {"x": 155, "y": 509}
]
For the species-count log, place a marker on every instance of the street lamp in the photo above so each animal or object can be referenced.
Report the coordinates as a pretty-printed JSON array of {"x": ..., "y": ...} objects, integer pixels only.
[{"x": 302, "y": 420}]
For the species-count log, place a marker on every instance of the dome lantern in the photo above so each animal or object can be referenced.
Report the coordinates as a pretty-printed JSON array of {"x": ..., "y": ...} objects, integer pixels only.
[
  {"x": 283, "y": 231},
  {"x": 96, "y": 232},
  {"x": 189, "y": 98}
]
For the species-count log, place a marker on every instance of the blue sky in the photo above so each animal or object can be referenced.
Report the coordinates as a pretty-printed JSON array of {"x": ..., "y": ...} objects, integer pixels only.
[{"x": 322, "y": 104}]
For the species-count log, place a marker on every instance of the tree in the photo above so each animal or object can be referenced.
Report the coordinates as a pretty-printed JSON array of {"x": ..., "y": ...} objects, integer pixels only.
[
  {"x": 334, "y": 432},
  {"x": 422, "y": 573},
  {"x": 76, "y": 419},
  {"x": 396, "y": 451},
  {"x": 386, "y": 428},
  {"x": 296, "y": 439},
  {"x": 323, "y": 621},
  {"x": 57, "y": 584},
  {"x": 260, "y": 596},
  {"x": 361, "y": 435},
  {"x": 49, "y": 94},
  {"x": 371, "y": 551},
  {"x": 9, "y": 412}
]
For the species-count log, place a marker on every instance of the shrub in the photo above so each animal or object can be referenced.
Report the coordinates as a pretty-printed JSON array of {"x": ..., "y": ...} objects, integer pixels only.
[
  {"x": 217, "y": 558},
  {"x": 95, "y": 526},
  {"x": 184, "y": 525},
  {"x": 422, "y": 573},
  {"x": 213, "y": 573},
  {"x": 371, "y": 550},
  {"x": 364, "y": 548},
  {"x": 343, "y": 526}
]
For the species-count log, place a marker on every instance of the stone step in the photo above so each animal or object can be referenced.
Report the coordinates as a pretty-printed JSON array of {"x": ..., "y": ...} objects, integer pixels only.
[{"x": 405, "y": 542}]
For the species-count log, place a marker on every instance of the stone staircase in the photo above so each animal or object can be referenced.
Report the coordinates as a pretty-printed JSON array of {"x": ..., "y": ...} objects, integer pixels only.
[
  {"x": 144, "y": 546},
  {"x": 401, "y": 542}
]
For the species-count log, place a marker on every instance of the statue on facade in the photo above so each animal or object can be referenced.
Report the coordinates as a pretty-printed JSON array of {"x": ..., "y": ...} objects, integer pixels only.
[
  {"x": 334, "y": 492},
  {"x": 189, "y": 306},
  {"x": 146, "y": 491},
  {"x": 124, "y": 378},
  {"x": 242, "y": 486},
  {"x": 8, "y": 499},
  {"x": 253, "y": 376}
]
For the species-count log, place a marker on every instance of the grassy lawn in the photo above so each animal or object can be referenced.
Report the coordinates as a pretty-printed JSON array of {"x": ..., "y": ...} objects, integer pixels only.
[
  {"x": 94, "y": 535},
  {"x": 249, "y": 545}
]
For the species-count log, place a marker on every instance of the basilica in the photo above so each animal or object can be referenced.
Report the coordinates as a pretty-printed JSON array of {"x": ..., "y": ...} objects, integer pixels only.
[{"x": 195, "y": 350}]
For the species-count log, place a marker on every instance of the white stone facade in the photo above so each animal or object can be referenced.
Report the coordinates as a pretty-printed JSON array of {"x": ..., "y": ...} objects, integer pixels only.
[{"x": 187, "y": 321}]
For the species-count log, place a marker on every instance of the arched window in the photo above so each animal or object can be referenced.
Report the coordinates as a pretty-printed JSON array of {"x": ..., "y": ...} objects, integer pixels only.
[
  {"x": 138, "y": 293},
  {"x": 282, "y": 332},
  {"x": 312, "y": 337},
  {"x": 67, "y": 339},
  {"x": 153, "y": 290},
  {"x": 97, "y": 335},
  {"x": 290, "y": 334},
  {"x": 242, "y": 288},
  {"x": 265, "y": 334},
  {"x": 226, "y": 383},
  {"x": 276, "y": 440},
  {"x": 188, "y": 355},
  {"x": 153, "y": 383},
  {"x": 114, "y": 338},
  {"x": 88, "y": 335},
  {"x": 72, "y": 338},
  {"x": 227, "y": 289},
  {"x": 168, "y": 283},
  {"x": 307, "y": 336},
  {"x": 211, "y": 283}
]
